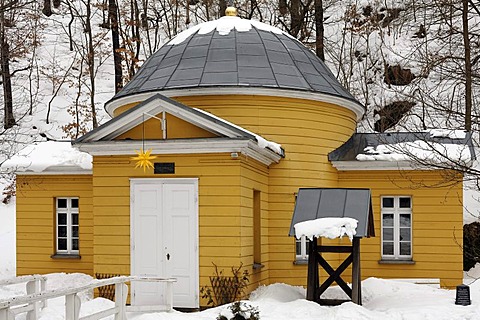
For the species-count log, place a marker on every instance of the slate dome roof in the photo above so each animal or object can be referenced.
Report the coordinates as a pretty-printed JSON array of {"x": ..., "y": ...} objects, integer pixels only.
[{"x": 234, "y": 52}]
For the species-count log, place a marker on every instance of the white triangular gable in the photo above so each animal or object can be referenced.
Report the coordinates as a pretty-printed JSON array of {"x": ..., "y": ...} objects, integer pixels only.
[
  {"x": 156, "y": 105},
  {"x": 231, "y": 138}
]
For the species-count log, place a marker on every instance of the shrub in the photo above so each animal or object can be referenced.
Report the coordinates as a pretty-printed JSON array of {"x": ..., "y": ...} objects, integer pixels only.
[
  {"x": 471, "y": 245},
  {"x": 225, "y": 289},
  {"x": 242, "y": 311}
]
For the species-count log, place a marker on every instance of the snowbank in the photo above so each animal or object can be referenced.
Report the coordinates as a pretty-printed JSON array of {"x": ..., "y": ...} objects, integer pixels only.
[{"x": 382, "y": 299}]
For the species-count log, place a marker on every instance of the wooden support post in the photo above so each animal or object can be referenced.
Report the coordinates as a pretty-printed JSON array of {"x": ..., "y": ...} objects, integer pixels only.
[
  {"x": 43, "y": 288},
  {"x": 33, "y": 286},
  {"x": 121, "y": 292},
  {"x": 356, "y": 276},
  {"x": 312, "y": 275},
  {"x": 169, "y": 296},
  {"x": 72, "y": 307},
  {"x": 6, "y": 314}
]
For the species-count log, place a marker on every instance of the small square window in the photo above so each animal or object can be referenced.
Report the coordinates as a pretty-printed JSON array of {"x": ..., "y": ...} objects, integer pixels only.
[
  {"x": 387, "y": 202},
  {"x": 62, "y": 203},
  {"x": 62, "y": 244},
  {"x": 74, "y": 203},
  {"x": 405, "y": 202}
]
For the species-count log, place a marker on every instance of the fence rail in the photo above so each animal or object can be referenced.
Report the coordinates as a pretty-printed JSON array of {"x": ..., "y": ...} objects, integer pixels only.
[{"x": 36, "y": 298}]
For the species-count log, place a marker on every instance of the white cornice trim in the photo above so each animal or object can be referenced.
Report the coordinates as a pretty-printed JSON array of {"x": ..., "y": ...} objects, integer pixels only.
[
  {"x": 357, "y": 108},
  {"x": 246, "y": 147},
  {"x": 374, "y": 165}
]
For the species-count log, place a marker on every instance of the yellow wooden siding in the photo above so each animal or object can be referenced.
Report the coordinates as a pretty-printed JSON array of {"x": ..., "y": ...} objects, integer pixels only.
[
  {"x": 308, "y": 131},
  {"x": 219, "y": 209},
  {"x": 118, "y": 111},
  {"x": 36, "y": 223},
  {"x": 254, "y": 176},
  {"x": 176, "y": 129},
  {"x": 437, "y": 223}
]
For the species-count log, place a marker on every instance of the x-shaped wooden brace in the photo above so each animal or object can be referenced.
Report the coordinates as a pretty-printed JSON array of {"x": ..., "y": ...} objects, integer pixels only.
[{"x": 334, "y": 275}]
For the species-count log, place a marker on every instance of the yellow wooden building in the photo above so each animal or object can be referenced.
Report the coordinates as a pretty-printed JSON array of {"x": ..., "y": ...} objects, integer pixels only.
[{"x": 238, "y": 116}]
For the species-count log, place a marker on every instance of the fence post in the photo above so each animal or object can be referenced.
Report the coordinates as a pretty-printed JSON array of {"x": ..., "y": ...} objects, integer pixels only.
[
  {"x": 43, "y": 288},
  {"x": 121, "y": 292},
  {"x": 169, "y": 295},
  {"x": 5, "y": 314},
  {"x": 72, "y": 307},
  {"x": 33, "y": 286}
]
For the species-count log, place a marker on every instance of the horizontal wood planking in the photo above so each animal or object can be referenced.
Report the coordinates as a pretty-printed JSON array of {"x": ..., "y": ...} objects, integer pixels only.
[
  {"x": 36, "y": 223},
  {"x": 437, "y": 222}
]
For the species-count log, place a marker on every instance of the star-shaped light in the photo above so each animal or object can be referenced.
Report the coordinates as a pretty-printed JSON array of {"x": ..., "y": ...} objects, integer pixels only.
[{"x": 143, "y": 159}]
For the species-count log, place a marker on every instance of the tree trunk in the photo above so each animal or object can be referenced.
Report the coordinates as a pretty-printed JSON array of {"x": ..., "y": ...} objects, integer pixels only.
[
  {"x": 296, "y": 17},
  {"x": 47, "y": 8},
  {"x": 91, "y": 63},
  {"x": 468, "y": 68},
  {"x": 223, "y": 7},
  {"x": 9, "y": 119},
  {"x": 117, "y": 58},
  {"x": 319, "y": 29}
]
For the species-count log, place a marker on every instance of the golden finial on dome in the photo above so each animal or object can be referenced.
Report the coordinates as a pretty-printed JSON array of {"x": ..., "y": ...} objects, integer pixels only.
[{"x": 231, "y": 11}]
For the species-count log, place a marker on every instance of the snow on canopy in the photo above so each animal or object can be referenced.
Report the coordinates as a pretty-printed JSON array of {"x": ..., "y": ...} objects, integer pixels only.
[
  {"x": 326, "y": 227},
  {"x": 48, "y": 156},
  {"x": 224, "y": 25}
]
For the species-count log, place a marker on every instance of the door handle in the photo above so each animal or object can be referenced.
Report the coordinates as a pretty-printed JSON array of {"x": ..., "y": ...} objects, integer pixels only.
[{"x": 168, "y": 256}]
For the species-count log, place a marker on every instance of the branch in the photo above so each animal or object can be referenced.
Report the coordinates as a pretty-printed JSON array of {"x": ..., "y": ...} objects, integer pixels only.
[
  {"x": 19, "y": 70},
  {"x": 8, "y": 5},
  {"x": 474, "y": 6}
]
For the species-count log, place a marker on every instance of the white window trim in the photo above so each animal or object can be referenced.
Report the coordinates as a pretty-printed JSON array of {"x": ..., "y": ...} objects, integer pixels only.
[
  {"x": 303, "y": 256},
  {"x": 396, "y": 211},
  {"x": 69, "y": 210}
]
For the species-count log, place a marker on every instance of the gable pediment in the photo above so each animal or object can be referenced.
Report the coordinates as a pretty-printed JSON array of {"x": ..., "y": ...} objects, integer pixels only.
[
  {"x": 149, "y": 116},
  {"x": 173, "y": 128}
]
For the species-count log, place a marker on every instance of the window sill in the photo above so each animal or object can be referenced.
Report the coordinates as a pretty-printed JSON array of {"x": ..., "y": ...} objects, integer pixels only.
[
  {"x": 257, "y": 266},
  {"x": 66, "y": 256},
  {"x": 398, "y": 261},
  {"x": 300, "y": 262}
]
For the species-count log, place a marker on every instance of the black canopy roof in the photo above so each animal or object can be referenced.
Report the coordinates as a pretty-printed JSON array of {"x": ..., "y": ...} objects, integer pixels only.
[{"x": 315, "y": 203}]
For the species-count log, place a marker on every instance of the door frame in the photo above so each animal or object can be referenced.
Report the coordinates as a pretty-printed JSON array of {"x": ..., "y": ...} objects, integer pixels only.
[{"x": 157, "y": 181}]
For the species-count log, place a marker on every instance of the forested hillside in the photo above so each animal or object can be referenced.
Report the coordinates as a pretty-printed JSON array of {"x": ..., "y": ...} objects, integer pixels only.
[{"x": 413, "y": 63}]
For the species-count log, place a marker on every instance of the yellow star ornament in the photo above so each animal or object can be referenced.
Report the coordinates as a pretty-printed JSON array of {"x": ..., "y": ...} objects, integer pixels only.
[{"x": 143, "y": 159}]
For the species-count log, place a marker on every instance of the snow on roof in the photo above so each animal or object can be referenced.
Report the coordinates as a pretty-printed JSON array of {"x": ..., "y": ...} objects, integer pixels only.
[
  {"x": 326, "y": 227},
  {"x": 448, "y": 133},
  {"x": 421, "y": 150},
  {"x": 262, "y": 142},
  {"x": 49, "y": 156},
  {"x": 224, "y": 25}
]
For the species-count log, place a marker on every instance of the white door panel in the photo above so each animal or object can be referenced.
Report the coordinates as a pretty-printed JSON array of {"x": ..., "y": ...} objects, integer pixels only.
[{"x": 165, "y": 239}]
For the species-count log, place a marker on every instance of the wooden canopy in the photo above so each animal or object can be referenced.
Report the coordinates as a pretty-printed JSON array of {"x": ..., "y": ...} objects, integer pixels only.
[{"x": 315, "y": 203}]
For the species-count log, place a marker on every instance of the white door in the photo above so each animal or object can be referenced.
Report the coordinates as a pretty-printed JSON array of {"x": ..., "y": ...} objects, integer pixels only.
[{"x": 164, "y": 239}]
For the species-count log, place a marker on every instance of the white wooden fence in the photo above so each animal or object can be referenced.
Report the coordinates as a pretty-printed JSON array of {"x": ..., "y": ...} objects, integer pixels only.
[{"x": 37, "y": 296}]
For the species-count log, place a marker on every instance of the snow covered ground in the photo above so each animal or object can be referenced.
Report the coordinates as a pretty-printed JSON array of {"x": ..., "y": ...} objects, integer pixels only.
[{"x": 382, "y": 299}]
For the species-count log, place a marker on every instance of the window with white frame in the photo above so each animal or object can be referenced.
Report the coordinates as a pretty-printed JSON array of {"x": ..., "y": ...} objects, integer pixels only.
[
  {"x": 397, "y": 227},
  {"x": 67, "y": 225},
  {"x": 301, "y": 248}
]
